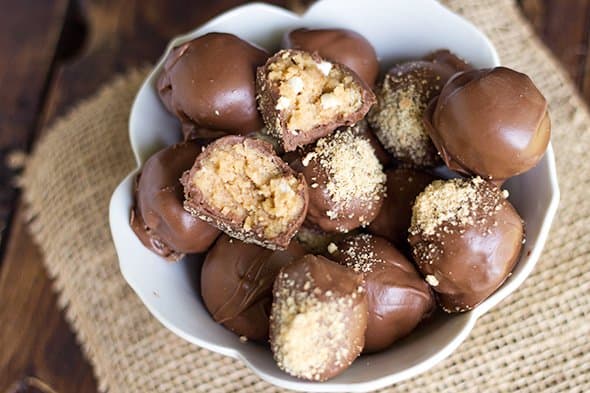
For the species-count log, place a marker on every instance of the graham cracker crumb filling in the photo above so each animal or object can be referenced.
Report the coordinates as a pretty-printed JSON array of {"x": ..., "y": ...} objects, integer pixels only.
[
  {"x": 248, "y": 186},
  {"x": 312, "y": 93}
]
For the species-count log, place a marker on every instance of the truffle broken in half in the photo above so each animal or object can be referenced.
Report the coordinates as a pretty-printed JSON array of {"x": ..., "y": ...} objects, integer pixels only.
[
  {"x": 346, "y": 181},
  {"x": 466, "y": 238},
  {"x": 242, "y": 187},
  {"x": 303, "y": 97},
  {"x": 318, "y": 318}
]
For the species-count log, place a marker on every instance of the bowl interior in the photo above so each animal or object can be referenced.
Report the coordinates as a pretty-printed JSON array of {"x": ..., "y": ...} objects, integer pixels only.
[{"x": 396, "y": 29}]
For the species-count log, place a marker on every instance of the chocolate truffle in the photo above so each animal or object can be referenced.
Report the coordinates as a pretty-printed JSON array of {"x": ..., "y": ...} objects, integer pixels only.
[
  {"x": 340, "y": 46},
  {"x": 209, "y": 82},
  {"x": 402, "y": 98},
  {"x": 393, "y": 220},
  {"x": 492, "y": 123},
  {"x": 243, "y": 188},
  {"x": 158, "y": 218},
  {"x": 318, "y": 318},
  {"x": 397, "y": 296},
  {"x": 303, "y": 97},
  {"x": 466, "y": 238},
  {"x": 346, "y": 181},
  {"x": 236, "y": 284}
]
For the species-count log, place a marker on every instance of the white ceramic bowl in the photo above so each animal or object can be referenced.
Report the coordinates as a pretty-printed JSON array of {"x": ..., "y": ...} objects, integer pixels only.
[{"x": 398, "y": 29}]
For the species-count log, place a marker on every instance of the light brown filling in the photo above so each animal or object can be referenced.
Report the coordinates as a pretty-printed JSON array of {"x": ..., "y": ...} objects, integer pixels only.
[
  {"x": 312, "y": 93},
  {"x": 247, "y": 186}
]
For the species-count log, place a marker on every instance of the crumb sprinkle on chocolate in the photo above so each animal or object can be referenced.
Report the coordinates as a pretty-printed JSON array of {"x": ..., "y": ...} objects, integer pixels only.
[
  {"x": 359, "y": 255},
  {"x": 311, "y": 327},
  {"x": 353, "y": 169},
  {"x": 455, "y": 202}
]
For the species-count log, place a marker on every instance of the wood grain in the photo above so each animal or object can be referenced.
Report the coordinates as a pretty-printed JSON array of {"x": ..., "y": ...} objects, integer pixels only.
[
  {"x": 38, "y": 352},
  {"x": 564, "y": 28},
  {"x": 27, "y": 55}
]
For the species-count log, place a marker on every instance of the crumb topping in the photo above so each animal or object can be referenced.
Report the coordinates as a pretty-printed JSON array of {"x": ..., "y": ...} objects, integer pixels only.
[
  {"x": 353, "y": 170},
  {"x": 311, "y": 334},
  {"x": 397, "y": 118},
  {"x": 432, "y": 280},
  {"x": 455, "y": 202},
  {"x": 359, "y": 254}
]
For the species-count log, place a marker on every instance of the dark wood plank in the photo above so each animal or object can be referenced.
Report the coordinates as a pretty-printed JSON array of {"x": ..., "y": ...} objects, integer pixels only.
[
  {"x": 563, "y": 27},
  {"x": 27, "y": 51},
  {"x": 35, "y": 340}
]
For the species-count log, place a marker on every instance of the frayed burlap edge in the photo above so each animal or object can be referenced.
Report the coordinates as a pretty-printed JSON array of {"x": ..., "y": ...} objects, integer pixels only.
[{"x": 537, "y": 340}]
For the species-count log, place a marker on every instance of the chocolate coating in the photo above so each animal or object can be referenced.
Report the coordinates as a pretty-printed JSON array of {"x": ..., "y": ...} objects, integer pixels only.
[
  {"x": 492, "y": 122},
  {"x": 236, "y": 284},
  {"x": 158, "y": 217},
  {"x": 340, "y": 46},
  {"x": 466, "y": 238},
  {"x": 398, "y": 297},
  {"x": 446, "y": 58},
  {"x": 318, "y": 318},
  {"x": 346, "y": 181},
  {"x": 402, "y": 97},
  {"x": 393, "y": 221},
  {"x": 209, "y": 82}
]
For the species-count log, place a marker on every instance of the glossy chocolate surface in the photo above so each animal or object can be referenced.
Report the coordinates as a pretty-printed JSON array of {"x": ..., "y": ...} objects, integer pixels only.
[
  {"x": 446, "y": 58},
  {"x": 340, "y": 46},
  {"x": 158, "y": 217},
  {"x": 209, "y": 82},
  {"x": 236, "y": 284},
  {"x": 398, "y": 297},
  {"x": 275, "y": 119},
  {"x": 491, "y": 122}
]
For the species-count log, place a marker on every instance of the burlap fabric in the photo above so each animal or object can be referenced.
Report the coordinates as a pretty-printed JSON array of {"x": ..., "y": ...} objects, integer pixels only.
[{"x": 537, "y": 340}]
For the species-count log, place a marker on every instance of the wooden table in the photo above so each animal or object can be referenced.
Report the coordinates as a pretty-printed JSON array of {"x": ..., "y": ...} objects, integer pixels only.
[{"x": 53, "y": 53}]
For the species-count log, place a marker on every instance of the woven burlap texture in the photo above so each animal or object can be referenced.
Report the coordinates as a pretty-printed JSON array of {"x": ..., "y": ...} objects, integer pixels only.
[{"x": 537, "y": 340}]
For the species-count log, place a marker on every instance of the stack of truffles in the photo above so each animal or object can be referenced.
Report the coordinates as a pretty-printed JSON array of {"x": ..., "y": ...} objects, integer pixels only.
[{"x": 308, "y": 180}]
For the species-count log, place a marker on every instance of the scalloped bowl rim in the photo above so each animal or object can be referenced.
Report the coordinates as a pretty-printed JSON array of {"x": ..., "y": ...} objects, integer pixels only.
[{"x": 469, "y": 318}]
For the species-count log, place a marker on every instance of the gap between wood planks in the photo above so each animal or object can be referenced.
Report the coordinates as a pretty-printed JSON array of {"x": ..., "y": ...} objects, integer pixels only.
[{"x": 70, "y": 40}]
